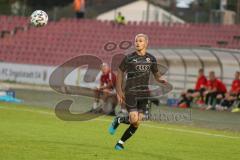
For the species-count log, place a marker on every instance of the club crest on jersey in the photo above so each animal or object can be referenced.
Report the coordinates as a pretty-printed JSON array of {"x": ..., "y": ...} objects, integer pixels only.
[
  {"x": 142, "y": 68},
  {"x": 148, "y": 60}
]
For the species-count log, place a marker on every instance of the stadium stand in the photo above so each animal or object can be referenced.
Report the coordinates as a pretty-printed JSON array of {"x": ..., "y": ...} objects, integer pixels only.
[
  {"x": 9, "y": 23},
  {"x": 59, "y": 41}
]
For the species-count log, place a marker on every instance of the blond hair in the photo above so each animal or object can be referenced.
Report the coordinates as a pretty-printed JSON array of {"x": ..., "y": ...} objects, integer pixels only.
[{"x": 142, "y": 35}]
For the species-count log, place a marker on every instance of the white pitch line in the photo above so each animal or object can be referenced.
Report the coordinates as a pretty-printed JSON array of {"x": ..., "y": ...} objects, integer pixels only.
[
  {"x": 192, "y": 131},
  {"x": 27, "y": 110},
  {"x": 145, "y": 125},
  {"x": 181, "y": 130}
]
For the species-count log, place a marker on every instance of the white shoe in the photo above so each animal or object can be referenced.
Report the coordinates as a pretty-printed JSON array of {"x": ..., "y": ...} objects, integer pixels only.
[
  {"x": 209, "y": 107},
  {"x": 225, "y": 108},
  {"x": 95, "y": 105},
  {"x": 219, "y": 108}
]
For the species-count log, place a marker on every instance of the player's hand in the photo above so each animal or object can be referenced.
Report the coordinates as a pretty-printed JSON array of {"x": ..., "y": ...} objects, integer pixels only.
[
  {"x": 205, "y": 93},
  {"x": 120, "y": 97},
  {"x": 162, "y": 80}
]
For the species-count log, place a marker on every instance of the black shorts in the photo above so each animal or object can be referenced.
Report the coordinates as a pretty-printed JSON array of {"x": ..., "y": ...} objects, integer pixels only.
[
  {"x": 191, "y": 91},
  {"x": 135, "y": 103},
  {"x": 221, "y": 93},
  {"x": 201, "y": 91}
]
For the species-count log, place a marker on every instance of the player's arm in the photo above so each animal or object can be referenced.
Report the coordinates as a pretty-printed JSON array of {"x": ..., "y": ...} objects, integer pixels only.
[
  {"x": 120, "y": 76},
  {"x": 109, "y": 85},
  {"x": 119, "y": 81},
  {"x": 157, "y": 75},
  {"x": 158, "y": 78},
  {"x": 210, "y": 90},
  {"x": 213, "y": 90},
  {"x": 111, "y": 82}
]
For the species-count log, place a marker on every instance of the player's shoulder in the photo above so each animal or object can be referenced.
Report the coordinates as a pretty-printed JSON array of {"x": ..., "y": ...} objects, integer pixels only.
[
  {"x": 130, "y": 55},
  {"x": 152, "y": 57},
  {"x": 218, "y": 81}
]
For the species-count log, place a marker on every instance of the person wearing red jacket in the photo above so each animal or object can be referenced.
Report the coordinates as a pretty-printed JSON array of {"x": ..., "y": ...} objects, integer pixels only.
[
  {"x": 107, "y": 86},
  {"x": 200, "y": 87},
  {"x": 215, "y": 91},
  {"x": 232, "y": 95}
]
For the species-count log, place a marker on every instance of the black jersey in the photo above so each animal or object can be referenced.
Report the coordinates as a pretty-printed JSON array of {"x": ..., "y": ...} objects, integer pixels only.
[{"x": 138, "y": 69}]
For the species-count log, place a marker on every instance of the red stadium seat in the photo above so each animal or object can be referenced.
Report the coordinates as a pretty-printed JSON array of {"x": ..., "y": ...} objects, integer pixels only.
[{"x": 59, "y": 41}]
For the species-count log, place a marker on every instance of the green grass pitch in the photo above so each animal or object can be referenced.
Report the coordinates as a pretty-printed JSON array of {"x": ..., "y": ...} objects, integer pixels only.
[{"x": 28, "y": 133}]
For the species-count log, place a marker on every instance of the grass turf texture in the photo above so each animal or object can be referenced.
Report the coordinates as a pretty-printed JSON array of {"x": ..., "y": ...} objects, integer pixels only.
[{"x": 36, "y": 133}]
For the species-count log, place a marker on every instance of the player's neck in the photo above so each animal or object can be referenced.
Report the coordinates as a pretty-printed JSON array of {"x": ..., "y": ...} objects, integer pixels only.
[{"x": 141, "y": 52}]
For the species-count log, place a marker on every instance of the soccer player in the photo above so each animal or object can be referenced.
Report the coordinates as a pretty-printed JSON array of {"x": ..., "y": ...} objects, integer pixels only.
[
  {"x": 215, "y": 91},
  {"x": 137, "y": 66},
  {"x": 107, "y": 85}
]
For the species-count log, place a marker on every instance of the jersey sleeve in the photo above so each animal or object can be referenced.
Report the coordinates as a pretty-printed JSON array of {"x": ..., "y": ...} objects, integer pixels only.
[
  {"x": 123, "y": 65},
  {"x": 154, "y": 66}
]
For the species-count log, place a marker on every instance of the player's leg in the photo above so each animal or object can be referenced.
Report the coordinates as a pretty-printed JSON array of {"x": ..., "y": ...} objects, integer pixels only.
[
  {"x": 207, "y": 95},
  {"x": 182, "y": 98},
  {"x": 201, "y": 92},
  {"x": 237, "y": 107},
  {"x": 200, "y": 96},
  {"x": 219, "y": 101},
  {"x": 130, "y": 106},
  {"x": 212, "y": 100},
  {"x": 226, "y": 104},
  {"x": 106, "y": 93},
  {"x": 135, "y": 119},
  {"x": 97, "y": 93},
  {"x": 186, "y": 100}
]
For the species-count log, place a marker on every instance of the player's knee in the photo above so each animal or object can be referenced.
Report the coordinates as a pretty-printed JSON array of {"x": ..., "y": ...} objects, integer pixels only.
[
  {"x": 136, "y": 125},
  {"x": 133, "y": 118},
  {"x": 219, "y": 96}
]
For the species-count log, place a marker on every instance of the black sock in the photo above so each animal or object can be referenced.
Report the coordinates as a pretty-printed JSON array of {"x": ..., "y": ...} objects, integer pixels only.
[
  {"x": 124, "y": 119},
  {"x": 189, "y": 101},
  {"x": 128, "y": 133},
  {"x": 218, "y": 101}
]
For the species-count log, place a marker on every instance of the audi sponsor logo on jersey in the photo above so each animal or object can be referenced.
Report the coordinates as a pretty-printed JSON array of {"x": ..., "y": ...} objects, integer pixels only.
[{"x": 142, "y": 67}]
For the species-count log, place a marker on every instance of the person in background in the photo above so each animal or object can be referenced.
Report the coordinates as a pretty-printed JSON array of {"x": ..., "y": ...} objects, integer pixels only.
[
  {"x": 120, "y": 19},
  {"x": 200, "y": 87},
  {"x": 215, "y": 91},
  {"x": 107, "y": 85},
  {"x": 232, "y": 95},
  {"x": 79, "y": 8}
]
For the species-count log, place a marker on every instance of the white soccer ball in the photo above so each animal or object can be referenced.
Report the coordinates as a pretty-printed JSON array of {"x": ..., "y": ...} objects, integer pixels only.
[{"x": 39, "y": 18}]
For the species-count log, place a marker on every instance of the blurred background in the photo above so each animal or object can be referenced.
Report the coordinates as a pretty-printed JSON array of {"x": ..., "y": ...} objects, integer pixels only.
[
  {"x": 184, "y": 36},
  {"x": 194, "y": 11}
]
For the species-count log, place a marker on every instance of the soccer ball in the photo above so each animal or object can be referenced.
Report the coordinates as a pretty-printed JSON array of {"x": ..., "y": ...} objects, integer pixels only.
[{"x": 39, "y": 18}]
